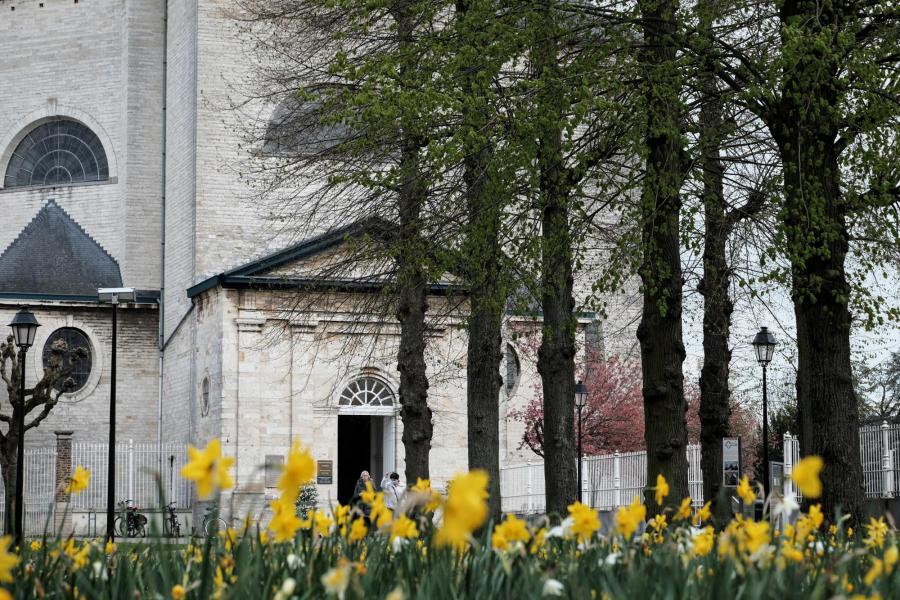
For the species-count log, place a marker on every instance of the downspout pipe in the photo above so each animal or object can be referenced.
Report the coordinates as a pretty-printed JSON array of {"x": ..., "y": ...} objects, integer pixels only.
[{"x": 162, "y": 246}]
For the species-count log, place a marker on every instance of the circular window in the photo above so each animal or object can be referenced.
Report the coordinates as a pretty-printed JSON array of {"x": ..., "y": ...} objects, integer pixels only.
[
  {"x": 58, "y": 152},
  {"x": 204, "y": 397},
  {"x": 367, "y": 391},
  {"x": 77, "y": 358}
]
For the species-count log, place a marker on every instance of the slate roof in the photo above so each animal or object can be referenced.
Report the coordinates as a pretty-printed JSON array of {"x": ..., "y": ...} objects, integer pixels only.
[{"x": 53, "y": 255}]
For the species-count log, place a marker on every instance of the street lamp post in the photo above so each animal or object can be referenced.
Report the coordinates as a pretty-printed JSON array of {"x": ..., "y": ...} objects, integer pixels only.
[
  {"x": 764, "y": 345},
  {"x": 113, "y": 296},
  {"x": 581, "y": 393},
  {"x": 24, "y": 326}
]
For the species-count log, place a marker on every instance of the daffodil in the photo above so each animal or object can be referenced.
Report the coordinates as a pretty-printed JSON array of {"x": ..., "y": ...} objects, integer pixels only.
[
  {"x": 702, "y": 543},
  {"x": 79, "y": 481},
  {"x": 404, "y": 528},
  {"x": 358, "y": 530},
  {"x": 337, "y": 579},
  {"x": 875, "y": 532},
  {"x": 875, "y": 571},
  {"x": 745, "y": 491},
  {"x": 806, "y": 476},
  {"x": 299, "y": 470},
  {"x": 629, "y": 518},
  {"x": 509, "y": 531},
  {"x": 284, "y": 523},
  {"x": 322, "y": 521},
  {"x": 465, "y": 509},
  {"x": 684, "y": 510},
  {"x": 585, "y": 521},
  {"x": 8, "y": 560},
  {"x": 178, "y": 592},
  {"x": 662, "y": 489},
  {"x": 703, "y": 515},
  {"x": 208, "y": 468}
]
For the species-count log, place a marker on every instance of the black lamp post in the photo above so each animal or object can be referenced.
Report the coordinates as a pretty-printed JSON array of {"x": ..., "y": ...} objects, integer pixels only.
[
  {"x": 581, "y": 393},
  {"x": 113, "y": 296},
  {"x": 764, "y": 345},
  {"x": 24, "y": 326}
]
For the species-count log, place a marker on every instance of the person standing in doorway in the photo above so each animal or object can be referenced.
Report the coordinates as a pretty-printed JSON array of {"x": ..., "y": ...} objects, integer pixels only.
[
  {"x": 393, "y": 490},
  {"x": 364, "y": 481}
]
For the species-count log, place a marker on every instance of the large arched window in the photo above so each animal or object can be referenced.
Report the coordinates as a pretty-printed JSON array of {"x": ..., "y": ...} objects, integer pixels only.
[
  {"x": 74, "y": 339},
  {"x": 302, "y": 128},
  {"x": 367, "y": 391},
  {"x": 58, "y": 152}
]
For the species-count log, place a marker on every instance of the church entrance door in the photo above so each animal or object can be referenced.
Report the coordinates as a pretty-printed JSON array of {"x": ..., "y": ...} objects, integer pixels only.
[{"x": 365, "y": 443}]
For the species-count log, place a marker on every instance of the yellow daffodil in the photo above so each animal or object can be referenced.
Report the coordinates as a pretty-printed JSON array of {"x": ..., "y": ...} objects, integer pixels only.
[
  {"x": 510, "y": 530},
  {"x": 875, "y": 532},
  {"x": 684, "y": 510},
  {"x": 465, "y": 509},
  {"x": 8, "y": 560},
  {"x": 299, "y": 470},
  {"x": 79, "y": 481},
  {"x": 756, "y": 534},
  {"x": 358, "y": 530},
  {"x": 178, "y": 592},
  {"x": 110, "y": 547},
  {"x": 284, "y": 523},
  {"x": 208, "y": 469},
  {"x": 431, "y": 498},
  {"x": 35, "y": 545},
  {"x": 342, "y": 514},
  {"x": 337, "y": 579},
  {"x": 790, "y": 552},
  {"x": 629, "y": 518},
  {"x": 703, "y": 542},
  {"x": 662, "y": 489},
  {"x": 5, "y": 595},
  {"x": 806, "y": 476},
  {"x": 369, "y": 494},
  {"x": 891, "y": 555},
  {"x": 703, "y": 515},
  {"x": 745, "y": 491},
  {"x": 404, "y": 528},
  {"x": 585, "y": 521},
  {"x": 323, "y": 522}
]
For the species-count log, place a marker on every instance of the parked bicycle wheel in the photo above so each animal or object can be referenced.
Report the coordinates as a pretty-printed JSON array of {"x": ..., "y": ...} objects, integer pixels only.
[
  {"x": 212, "y": 526},
  {"x": 119, "y": 527}
]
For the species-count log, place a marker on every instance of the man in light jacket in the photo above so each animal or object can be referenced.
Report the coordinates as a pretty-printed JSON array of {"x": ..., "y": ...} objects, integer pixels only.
[{"x": 393, "y": 490}]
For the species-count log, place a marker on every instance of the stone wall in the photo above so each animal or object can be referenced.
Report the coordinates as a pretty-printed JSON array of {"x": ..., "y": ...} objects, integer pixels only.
[{"x": 86, "y": 412}]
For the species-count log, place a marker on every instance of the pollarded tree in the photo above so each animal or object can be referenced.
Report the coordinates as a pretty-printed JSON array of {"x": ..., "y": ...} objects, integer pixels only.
[{"x": 42, "y": 397}]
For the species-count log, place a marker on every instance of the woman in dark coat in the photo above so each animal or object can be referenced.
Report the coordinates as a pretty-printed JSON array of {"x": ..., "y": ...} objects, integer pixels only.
[{"x": 357, "y": 501}]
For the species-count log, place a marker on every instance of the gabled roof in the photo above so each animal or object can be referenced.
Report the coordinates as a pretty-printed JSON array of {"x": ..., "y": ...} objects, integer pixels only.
[
  {"x": 254, "y": 274},
  {"x": 54, "y": 257}
]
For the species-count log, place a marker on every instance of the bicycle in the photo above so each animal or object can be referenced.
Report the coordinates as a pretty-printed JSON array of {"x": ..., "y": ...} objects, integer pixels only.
[
  {"x": 171, "y": 526},
  {"x": 212, "y": 525},
  {"x": 133, "y": 523}
]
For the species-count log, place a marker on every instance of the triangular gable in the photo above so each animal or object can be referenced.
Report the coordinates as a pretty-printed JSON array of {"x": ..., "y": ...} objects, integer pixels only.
[
  {"x": 53, "y": 255},
  {"x": 299, "y": 265}
]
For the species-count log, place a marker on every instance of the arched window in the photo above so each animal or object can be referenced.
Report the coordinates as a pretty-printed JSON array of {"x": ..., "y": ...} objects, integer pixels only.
[
  {"x": 74, "y": 340},
  {"x": 367, "y": 391},
  {"x": 513, "y": 367},
  {"x": 303, "y": 128},
  {"x": 58, "y": 152},
  {"x": 204, "y": 397}
]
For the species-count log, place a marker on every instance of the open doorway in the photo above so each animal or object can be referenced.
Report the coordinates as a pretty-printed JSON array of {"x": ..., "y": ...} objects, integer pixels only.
[{"x": 365, "y": 443}]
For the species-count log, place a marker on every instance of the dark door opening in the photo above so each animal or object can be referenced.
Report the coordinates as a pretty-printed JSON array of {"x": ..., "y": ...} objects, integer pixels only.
[{"x": 354, "y": 453}]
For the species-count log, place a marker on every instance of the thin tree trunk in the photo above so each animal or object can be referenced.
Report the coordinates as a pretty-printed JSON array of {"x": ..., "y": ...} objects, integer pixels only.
[
  {"x": 556, "y": 356},
  {"x": 8, "y": 464},
  {"x": 412, "y": 284},
  {"x": 660, "y": 330},
  {"x": 717, "y": 306}
]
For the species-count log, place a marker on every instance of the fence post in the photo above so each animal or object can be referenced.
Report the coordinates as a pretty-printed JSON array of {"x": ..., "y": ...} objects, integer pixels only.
[
  {"x": 529, "y": 486},
  {"x": 62, "y": 518},
  {"x": 788, "y": 443},
  {"x": 131, "y": 471},
  {"x": 617, "y": 479},
  {"x": 887, "y": 472}
]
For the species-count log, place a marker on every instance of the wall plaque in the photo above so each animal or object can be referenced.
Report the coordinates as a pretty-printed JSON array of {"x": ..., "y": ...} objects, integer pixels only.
[{"x": 324, "y": 472}]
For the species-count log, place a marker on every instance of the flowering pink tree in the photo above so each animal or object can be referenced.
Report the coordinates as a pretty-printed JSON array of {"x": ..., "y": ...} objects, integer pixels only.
[{"x": 613, "y": 418}]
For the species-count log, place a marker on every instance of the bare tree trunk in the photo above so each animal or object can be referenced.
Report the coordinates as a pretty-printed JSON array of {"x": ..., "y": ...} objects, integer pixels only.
[
  {"x": 717, "y": 306},
  {"x": 8, "y": 464},
  {"x": 660, "y": 330},
  {"x": 412, "y": 283}
]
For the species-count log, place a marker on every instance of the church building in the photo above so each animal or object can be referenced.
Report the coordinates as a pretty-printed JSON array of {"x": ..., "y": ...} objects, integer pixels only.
[{"x": 119, "y": 167}]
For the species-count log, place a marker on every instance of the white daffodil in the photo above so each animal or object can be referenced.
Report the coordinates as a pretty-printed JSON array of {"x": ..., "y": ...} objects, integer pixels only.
[
  {"x": 564, "y": 529},
  {"x": 552, "y": 587}
]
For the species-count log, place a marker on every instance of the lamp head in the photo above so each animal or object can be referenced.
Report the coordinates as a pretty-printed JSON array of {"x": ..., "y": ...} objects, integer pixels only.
[
  {"x": 24, "y": 326},
  {"x": 764, "y": 345}
]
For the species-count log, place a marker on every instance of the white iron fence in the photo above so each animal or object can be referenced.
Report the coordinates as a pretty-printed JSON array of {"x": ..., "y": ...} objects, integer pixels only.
[
  {"x": 140, "y": 474},
  {"x": 138, "y": 478},
  {"x": 608, "y": 481},
  {"x": 613, "y": 480}
]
